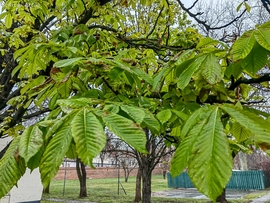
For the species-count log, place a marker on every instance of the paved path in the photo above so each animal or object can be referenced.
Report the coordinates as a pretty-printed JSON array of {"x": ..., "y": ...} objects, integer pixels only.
[
  {"x": 262, "y": 199},
  {"x": 195, "y": 194}
]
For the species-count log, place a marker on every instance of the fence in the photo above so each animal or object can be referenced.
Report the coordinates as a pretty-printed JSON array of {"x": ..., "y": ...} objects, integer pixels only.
[{"x": 241, "y": 180}]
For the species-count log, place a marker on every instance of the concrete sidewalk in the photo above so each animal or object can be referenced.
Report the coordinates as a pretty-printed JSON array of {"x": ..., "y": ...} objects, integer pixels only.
[
  {"x": 262, "y": 199},
  {"x": 195, "y": 194}
]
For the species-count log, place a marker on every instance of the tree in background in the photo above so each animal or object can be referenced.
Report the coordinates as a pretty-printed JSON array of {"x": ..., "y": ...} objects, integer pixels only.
[{"x": 94, "y": 67}]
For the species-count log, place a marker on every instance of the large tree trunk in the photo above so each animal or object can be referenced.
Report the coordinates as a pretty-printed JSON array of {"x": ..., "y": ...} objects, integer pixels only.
[
  {"x": 81, "y": 172},
  {"x": 222, "y": 197},
  {"x": 138, "y": 194}
]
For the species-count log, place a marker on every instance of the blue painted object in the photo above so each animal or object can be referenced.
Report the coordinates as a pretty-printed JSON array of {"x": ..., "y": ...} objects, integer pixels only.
[{"x": 240, "y": 180}]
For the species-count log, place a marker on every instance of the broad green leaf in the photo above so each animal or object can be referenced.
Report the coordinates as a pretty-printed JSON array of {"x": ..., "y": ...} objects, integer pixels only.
[
  {"x": 64, "y": 89},
  {"x": 115, "y": 73},
  {"x": 67, "y": 62},
  {"x": 210, "y": 162},
  {"x": 126, "y": 129},
  {"x": 151, "y": 122},
  {"x": 206, "y": 41},
  {"x": 75, "y": 103},
  {"x": 34, "y": 161},
  {"x": 12, "y": 168},
  {"x": 243, "y": 45},
  {"x": 262, "y": 36},
  {"x": 55, "y": 152},
  {"x": 143, "y": 75},
  {"x": 252, "y": 122},
  {"x": 240, "y": 133},
  {"x": 71, "y": 153},
  {"x": 180, "y": 114},
  {"x": 194, "y": 118},
  {"x": 212, "y": 70},
  {"x": 57, "y": 124},
  {"x": 234, "y": 69},
  {"x": 35, "y": 82},
  {"x": 158, "y": 79},
  {"x": 164, "y": 115},
  {"x": 256, "y": 59},
  {"x": 88, "y": 135},
  {"x": 135, "y": 113},
  {"x": 258, "y": 112},
  {"x": 185, "y": 71},
  {"x": 189, "y": 134},
  {"x": 30, "y": 142}
]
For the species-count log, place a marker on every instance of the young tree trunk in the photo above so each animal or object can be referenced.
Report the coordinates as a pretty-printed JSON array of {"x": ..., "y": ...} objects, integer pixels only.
[
  {"x": 222, "y": 197},
  {"x": 146, "y": 190},
  {"x": 47, "y": 189},
  {"x": 138, "y": 194},
  {"x": 81, "y": 172}
]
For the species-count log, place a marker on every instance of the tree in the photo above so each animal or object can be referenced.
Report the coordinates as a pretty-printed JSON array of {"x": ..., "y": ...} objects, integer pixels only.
[
  {"x": 81, "y": 172},
  {"x": 93, "y": 68},
  {"x": 121, "y": 153}
]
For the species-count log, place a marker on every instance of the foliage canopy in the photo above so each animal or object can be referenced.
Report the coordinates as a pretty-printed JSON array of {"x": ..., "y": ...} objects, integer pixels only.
[{"x": 127, "y": 65}]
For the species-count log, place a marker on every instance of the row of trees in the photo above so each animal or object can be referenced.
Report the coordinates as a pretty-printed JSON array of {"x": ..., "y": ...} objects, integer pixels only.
[{"x": 137, "y": 68}]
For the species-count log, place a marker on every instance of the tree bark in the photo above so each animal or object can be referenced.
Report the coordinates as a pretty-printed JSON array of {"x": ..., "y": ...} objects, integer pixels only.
[
  {"x": 138, "y": 194},
  {"x": 47, "y": 189},
  {"x": 81, "y": 172},
  {"x": 146, "y": 191},
  {"x": 222, "y": 197}
]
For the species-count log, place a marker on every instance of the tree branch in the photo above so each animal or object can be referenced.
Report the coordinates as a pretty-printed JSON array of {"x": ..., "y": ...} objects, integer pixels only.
[
  {"x": 155, "y": 24},
  {"x": 263, "y": 78},
  {"x": 36, "y": 113},
  {"x": 207, "y": 27}
]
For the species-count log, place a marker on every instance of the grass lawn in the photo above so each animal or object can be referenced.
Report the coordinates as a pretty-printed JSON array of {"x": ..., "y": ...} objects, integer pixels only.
[{"x": 106, "y": 191}]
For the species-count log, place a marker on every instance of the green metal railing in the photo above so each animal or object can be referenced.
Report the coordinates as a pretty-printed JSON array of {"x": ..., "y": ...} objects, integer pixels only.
[{"x": 241, "y": 180}]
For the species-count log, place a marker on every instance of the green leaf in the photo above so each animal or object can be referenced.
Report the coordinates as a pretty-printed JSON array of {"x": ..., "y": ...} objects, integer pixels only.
[
  {"x": 180, "y": 114},
  {"x": 143, "y": 75},
  {"x": 88, "y": 135},
  {"x": 186, "y": 69},
  {"x": 57, "y": 124},
  {"x": 234, "y": 69},
  {"x": 210, "y": 164},
  {"x": 256, "y": 59},
  {"x": 55, "y": 152},
  {"x": 247, "y": 7},
  {"x": 8, "y": 20},
  {"x": 12, "y": 168},
  {"x": 71, "y": 153},
  {"x": 30, "y": 142},
  {"x": 239, "y": 6},
  {"x": 243, "y": 45},
  {"x": 252, "y": 122},
  {"x": 239, "y": 132},
  {"x": 34, "y": 161},
  {"x": 64, "y": 89},
  {"x": 212, "y": 70},
  {"x": 75, "y": 103},
  {"x": 151, "y": 122},
  {"x": 135, "y": 113},
  {"x": 33, "y": 83},
  {"x": 189, "y": 134},
  {"x": 206, "y": 41},
  {"x": 67, "y": 62},
  {"x": 126, "y": 129},
  {"x": 164, "y": 115},
  {"x": 262, "y": 36}
]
